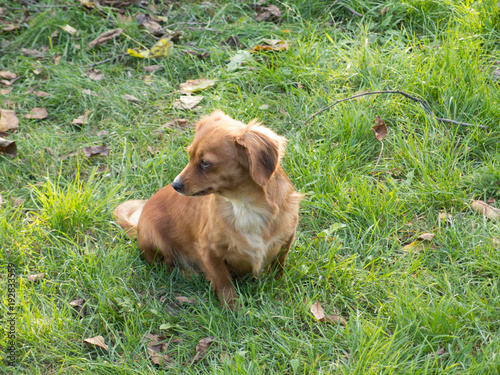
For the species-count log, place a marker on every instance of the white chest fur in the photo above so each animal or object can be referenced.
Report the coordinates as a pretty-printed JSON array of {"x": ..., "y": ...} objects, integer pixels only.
[{"x": 249, "y": 221}]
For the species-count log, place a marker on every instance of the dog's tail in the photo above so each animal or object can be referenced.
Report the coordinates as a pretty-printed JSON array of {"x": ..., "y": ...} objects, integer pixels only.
[{"x": 127, "y": 215}]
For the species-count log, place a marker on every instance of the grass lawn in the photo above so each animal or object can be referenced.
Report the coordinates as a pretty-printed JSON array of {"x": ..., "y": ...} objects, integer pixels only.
[{"x": 410, "y": 305}]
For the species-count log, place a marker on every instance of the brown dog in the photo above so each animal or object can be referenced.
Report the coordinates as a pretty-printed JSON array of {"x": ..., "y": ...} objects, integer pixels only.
[{"x": 232, "y": 210}]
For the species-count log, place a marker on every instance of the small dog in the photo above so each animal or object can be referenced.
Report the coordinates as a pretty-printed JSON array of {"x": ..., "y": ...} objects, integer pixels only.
[{"x": 232, "y": 210}]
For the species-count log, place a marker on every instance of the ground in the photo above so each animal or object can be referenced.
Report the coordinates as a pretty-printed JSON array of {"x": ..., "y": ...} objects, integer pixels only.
[{"x": 387, "y": 244}]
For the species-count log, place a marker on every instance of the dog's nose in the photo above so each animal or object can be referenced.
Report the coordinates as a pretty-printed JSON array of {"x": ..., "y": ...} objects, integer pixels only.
[{"x": 178, "y": 186}]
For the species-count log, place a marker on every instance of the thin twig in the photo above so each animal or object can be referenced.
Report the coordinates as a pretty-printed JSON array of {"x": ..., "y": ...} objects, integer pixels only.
[
  {"x": 422, "y": 102},
  {"x": 379, "y": 156},
  {"x": 351, "y": 10},
  {"x": 107, "y": 60}
]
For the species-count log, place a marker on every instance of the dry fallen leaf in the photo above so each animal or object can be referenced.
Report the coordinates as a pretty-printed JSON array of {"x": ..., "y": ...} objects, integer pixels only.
[
  {"x": 31, "y": 52},
  {"x": 56, "y": 59},
  {"x": 131, "y": 98},
  {"x": 36, "y": 277},
  {"x": 11, "y": 27},
  {"x": 153, "y": 27},
  {"x": 1, "y": 200},
  {"x": 184, "y": 300},
  {"x": 41, "y": 94},
  {"x": 78, "y": 306},
  {"x": 156, "y": 345},
  {"x": 317, "y": 311},
  {"x": 7, "y": 75},
  {"x": 271, "y": 45},
  {"x": 102, "y": 150},
  {"x": 8, "y": 147},
  {"x": 5, "y": 91},
  {"x": 233, "y": 41},
  {"x": 97, "y": 341},
  {"x": 83, "y": 119},
  {"x": 202, "y": 348},
  {"x": 162, "y": 48},
  {"x": 485, "y": 209},
  {"x": 37, "y": 114},
  {"x": 195, "y": 85},
  {"x": 70, "y": 29},
  {"x": 418, "y": 246},
  {"x": 104, "y": 37},
  {"x": 152, "y": 68},
  {"x": 269, "y": 13},
  {"x": 426, "y": 237},
  {"x": 17, "y": 203},
  {"x": 319, "y": 314},
  {"x": 379, "y": 129},
  {"x": 8, "y": 120},
  {"x": 94, "y": 74},
  {"x": 187, "y": 102},
  {"x": 87, "y": 4}
]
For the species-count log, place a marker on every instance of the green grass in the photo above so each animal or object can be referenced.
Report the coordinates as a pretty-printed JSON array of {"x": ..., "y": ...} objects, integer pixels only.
[{"x": 428, "y": 310}]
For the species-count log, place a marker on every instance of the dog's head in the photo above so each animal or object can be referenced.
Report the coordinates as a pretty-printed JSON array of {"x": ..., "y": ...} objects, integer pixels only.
[{"x": 226, "y": 155}]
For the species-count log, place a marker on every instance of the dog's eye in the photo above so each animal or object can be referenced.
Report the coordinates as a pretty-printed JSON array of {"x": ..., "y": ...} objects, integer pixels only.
[{"x": 205, "y": 164}]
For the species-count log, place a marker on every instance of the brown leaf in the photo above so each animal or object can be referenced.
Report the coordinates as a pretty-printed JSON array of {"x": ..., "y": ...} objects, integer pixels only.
[
  {"x": 334, "y": 319},
  {"x": 131, "y": 98},
  {"x": 8, "y": 120},
  {"x": 36, "y": 277},
  {"x": 269, "y": 13},
  {"x": 379, "y": 129},
  {"x": 11, "y": 27},
  {"x": 94, "y": 74},
  {"x": 17, "y": 203},
  {"x": 83, "y": 119},
  {"x": 78, "y": 306},
  {"x": 49, "y": 151},
  {"x": 233, "y": 41},
  {"x": 41, "y": 94},
  {"x": 485, "y": 209},
  {"x": 184, "y": 300},
  {"x": 97, "y": 341},
  {"x": 56, "y": 59},
  {"x": 426, "y": 237},
  {"x": 8, "y": 147},
  {"x": 31, "y": 52},
  {"x": 317, "y": 311},
  {"x": 187, "y": 102},
  {"x": 153, "y": 27},
  {"x": 96, "y": 150},
  {"x": 1, "y": 200},
  {"x": 37, "y": 114},
  {"x": 5, "y": 91},
  {"x": 491, "y": 200},
  {"x": 7, "y": 75},
  {"x": 202, "y": 348},
  {"x": 319, "y": 314},
  {"x": 152, "y": 68},
  {"x": 156, "y": 345},
  {"x": 104, "y": 37}
]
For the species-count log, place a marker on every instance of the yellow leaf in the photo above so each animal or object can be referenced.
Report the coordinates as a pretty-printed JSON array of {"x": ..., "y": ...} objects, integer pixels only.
[{"x": 161, "y": 49}]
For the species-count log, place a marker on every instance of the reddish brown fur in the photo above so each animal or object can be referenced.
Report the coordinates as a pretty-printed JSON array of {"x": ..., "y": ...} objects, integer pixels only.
[{"x": 235, "y": 216}]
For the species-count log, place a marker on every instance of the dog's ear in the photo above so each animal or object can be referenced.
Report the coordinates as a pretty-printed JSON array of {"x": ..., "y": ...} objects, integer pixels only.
[{"x": 262, "y": 150}]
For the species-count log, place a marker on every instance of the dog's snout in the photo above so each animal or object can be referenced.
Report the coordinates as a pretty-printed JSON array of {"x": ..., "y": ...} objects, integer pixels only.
[{"x": 178, "y": 186}]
